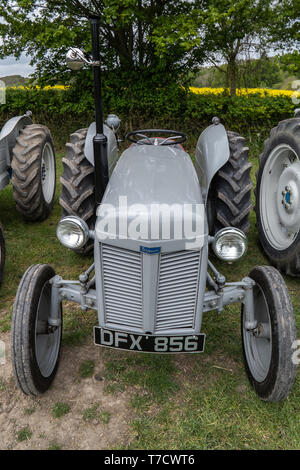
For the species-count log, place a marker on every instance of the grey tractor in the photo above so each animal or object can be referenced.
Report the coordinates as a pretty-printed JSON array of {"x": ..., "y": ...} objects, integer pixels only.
[
  {"x": 278, "y": 196},
  {"x": 150, "y": 291},
  {"x": 27, "y": 159}
]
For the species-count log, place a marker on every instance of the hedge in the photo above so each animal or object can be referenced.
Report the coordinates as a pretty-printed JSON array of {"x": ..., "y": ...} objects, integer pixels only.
[{"x": 140, "y": 105}]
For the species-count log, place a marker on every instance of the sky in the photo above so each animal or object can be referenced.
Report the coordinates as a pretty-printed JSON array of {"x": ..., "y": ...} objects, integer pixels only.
[{"x": 11, "y": 66}]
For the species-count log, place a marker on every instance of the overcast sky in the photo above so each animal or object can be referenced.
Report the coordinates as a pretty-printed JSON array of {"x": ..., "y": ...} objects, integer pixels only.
[{"x": 11, "y": 66}]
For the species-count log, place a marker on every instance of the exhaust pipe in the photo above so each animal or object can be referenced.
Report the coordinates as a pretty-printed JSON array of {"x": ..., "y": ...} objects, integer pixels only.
[{"x": 101, "y": 172}]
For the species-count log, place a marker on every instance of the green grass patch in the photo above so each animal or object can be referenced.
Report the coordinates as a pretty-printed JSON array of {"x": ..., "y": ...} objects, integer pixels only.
[
  {"x": 29, "y": 411},
  {"x": 89, "y": 414},
  {"x": 94, "y": 414},
  {"x": 24, "y": 434},
  {"x": 60, "y": 409},
  {"x": 153, "y": 373},
  {"x": 87, "y": 368},
  {"x": 104, "y": 416},
  {"x": 54, "y": 446}
]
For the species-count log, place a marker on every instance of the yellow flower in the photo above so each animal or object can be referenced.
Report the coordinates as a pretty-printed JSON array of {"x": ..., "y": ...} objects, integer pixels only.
[
  {"x": 48, "y": 87},
  {"x": 245, "y": 91}
]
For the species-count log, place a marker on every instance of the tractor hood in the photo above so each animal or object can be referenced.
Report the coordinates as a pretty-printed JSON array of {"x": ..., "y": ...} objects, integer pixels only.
[{"x": 153, "y": 201}]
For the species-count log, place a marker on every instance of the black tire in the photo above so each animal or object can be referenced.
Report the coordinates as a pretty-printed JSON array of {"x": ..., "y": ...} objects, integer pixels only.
[
  {"x": 29, "y": 172},
  {"x": 78, "y": 185},
  {"x": 287, "y": 260},
  {"x": 280, "y": 371},
  {"x": 29, "y": 376},
  {"x": 229, "y": 197},
  {"x": 2, "y": 254}
]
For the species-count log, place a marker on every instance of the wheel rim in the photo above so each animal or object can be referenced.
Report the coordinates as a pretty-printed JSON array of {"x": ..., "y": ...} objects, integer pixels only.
[
  {"x": 258, "y": 349},
  {"x": 278, "y": 217},
  {"x": 47, "y": 345},
  {"x": 48, "y": 172}
]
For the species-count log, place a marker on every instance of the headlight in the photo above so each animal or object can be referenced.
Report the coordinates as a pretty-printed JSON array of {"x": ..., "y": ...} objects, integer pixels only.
[
  {"x": 72, "y": 232},
  {"x": 230, "y": 244}
]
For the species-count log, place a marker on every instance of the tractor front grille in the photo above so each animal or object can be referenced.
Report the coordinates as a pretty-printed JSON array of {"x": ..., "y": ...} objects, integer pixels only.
[
  {"x": 122, "y": 283},
  {"x": 125, "y": 283},
  {"x": 177, "y": 290}
]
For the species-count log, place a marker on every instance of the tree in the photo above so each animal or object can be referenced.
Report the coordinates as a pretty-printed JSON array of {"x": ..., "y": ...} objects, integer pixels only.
[
  {"x": 45, "y": 28},
  {"x": 223, "y": 31}
]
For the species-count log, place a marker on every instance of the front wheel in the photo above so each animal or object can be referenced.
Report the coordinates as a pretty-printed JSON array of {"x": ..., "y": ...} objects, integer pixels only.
[
  {"x": 2, "y": 254},
  {"x": 35, "y": 345},
  {"x": 268, "y": 349}
]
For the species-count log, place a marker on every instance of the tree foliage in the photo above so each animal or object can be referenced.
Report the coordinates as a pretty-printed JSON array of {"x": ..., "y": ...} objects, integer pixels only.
[
  {"x": 231, "y": 32},
  {"x": 154, "y": 41},
  {"x": 45, "y": 28}
]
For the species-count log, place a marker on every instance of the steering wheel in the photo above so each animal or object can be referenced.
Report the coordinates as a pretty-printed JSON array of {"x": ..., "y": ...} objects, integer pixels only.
[{"x": 174, "y": 138}]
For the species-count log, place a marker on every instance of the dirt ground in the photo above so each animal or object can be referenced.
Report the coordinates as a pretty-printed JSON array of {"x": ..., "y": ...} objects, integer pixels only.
[{"x": 70, "y": 431}]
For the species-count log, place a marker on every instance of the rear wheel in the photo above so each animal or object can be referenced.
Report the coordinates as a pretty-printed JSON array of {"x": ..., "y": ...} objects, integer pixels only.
[
  {"x": 2, "y": 254},
  {"x": 34, "y": 172},
  {"x": 35, "y": 346},
  {"x": 278, "y": 197},
  {"x": 229, "y": 197},
  {"x": 78, "y": 184},
  {"x": 268, "y": 348}
]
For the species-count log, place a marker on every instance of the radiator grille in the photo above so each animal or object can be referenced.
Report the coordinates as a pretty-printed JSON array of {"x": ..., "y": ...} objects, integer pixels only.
[
  {"x": 122, "y": 282},
  {"x": 177, "y": 290}
]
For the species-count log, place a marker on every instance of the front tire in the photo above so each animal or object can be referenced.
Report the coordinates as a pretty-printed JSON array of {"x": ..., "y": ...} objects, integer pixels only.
[
  {"x": 2, "y": 254},
  {"x": 229, "y": 197},
  {"x": 268, "y": 349},
  {"x": 35, "y": 348},
  {"x": 34, "y": 172},
  {"x": 278, "y": 197}
]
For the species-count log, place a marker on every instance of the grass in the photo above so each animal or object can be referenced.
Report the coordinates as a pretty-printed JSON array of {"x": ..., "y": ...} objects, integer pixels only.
[
  {"x": 24, "y": 434},
  {"x": 86, "y": 368},
  {"x": 104, "y": 416},
  {"x": 177, "y": 402},
  {"x": 29, "y": 411},
  {"x": 93, "y": 414},
  {"x": 89, "y": 414},
  {"x": 60, "y": 409},
  {"x": 54, "y": 446}
]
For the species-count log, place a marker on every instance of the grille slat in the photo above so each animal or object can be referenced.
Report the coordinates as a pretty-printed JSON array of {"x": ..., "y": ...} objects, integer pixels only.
[
  {"x": 122, "y": 282},
  {"x": 177, "y": 290}
]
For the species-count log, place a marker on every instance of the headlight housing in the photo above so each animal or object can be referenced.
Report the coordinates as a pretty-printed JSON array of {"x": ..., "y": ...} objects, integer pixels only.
[
  {"x": 230, "y": 244},
  {"x": 72, "y": 232}
]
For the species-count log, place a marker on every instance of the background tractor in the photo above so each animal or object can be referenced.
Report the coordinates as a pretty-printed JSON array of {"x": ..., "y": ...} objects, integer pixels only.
[
  {"x": 150, "y": 292},
  {"x": 278, "y": 196},
  {"x": 27, "y": 159}
]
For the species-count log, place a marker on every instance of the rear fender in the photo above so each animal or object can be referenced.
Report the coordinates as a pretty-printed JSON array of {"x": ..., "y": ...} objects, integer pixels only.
[
  {"x": 212, "y": 152},
  {"x": 112, "y": 146},
  {"x": 8, "y": 136}
]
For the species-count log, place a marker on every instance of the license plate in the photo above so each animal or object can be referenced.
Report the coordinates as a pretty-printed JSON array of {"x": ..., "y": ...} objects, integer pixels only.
[{"x": 149, "y": 343}]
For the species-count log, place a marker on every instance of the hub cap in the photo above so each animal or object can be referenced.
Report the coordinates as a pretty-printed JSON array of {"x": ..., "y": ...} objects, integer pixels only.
[
  {"x": 48, "y": 172},
  {"x": 279, "y": 197},
  {"x": 47, "y": 340},
  {"x": 258, "y": 342}
]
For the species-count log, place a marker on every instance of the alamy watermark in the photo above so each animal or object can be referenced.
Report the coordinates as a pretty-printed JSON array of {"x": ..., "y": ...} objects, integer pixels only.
[
  {"x": 2, "y": 353},
  {"x": 2, "y": 92},
  {"x": 296, "y": 353},
  {"x": 152, "y": 222}
]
